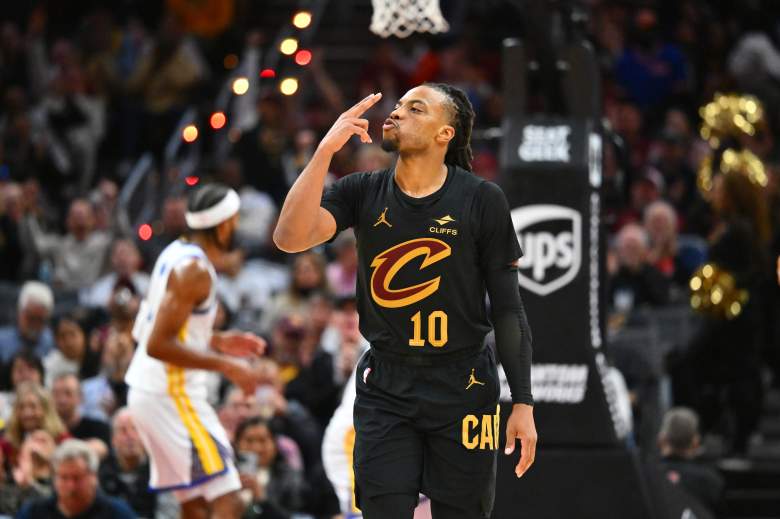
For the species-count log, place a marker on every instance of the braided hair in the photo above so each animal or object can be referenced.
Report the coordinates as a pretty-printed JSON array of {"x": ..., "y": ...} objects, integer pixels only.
[{"x": 462, "y": 119}]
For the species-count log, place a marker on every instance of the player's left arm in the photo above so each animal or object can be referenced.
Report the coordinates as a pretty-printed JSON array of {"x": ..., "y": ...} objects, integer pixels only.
[
  {"x": 499, "y": 253},
  {"x": 513, "y": 345}
]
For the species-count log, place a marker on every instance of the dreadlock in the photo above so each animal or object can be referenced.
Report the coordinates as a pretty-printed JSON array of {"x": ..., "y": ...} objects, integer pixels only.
[{"x": 459, "y": 149}]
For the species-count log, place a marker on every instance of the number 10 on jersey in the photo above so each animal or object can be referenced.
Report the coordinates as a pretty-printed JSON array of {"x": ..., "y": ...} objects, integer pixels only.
[{"x": 437, "y": 329}]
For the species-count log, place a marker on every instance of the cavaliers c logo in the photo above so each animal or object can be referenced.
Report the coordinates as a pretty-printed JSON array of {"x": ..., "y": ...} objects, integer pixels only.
[{"x": 387, "y": 264}]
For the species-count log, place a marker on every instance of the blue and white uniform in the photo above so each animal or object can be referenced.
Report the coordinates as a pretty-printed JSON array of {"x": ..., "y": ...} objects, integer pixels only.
[{"x": 188, "y": 447}]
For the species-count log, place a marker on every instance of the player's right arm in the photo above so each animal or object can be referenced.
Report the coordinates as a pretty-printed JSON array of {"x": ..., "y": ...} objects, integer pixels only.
[
  {"x": 188, "y": 286},
  {"x": 303, "y": 223}
]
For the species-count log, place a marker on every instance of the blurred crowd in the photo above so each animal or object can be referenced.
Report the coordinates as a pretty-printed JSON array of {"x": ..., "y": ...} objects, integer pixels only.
[{"x": 84, "y": 91}]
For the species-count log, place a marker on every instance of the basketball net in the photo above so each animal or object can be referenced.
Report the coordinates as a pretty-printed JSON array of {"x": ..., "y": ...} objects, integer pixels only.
[{"x": 403, "y": 17}]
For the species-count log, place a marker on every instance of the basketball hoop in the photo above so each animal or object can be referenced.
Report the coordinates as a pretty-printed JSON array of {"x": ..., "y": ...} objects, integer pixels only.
[{"x": 403, "y": 17}]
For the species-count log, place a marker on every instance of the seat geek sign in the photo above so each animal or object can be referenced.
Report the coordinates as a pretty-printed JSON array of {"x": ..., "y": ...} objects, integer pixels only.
[{"x": 545, "y": 144}]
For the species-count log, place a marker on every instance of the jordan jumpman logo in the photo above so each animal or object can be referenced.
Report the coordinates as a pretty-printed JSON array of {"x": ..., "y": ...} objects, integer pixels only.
[
  {"x": 473, "y": 380},
  {"x": 383, "y": 219}
]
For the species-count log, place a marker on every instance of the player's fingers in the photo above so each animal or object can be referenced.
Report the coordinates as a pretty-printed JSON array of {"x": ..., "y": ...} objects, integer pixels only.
[
  {"x": 527, "y": 456},
  {"x": 362, "y": 133},
  {"x": 255, "y": 343},
  {"x": 350, "y": 112},
  {"x": 359, "y": 109},
  {"x": 363, "y": 123},
  {"x": 511, "y": 435}
]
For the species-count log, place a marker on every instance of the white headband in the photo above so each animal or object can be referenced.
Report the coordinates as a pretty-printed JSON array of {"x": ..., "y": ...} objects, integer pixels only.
[{"x": 214, "y": 215}]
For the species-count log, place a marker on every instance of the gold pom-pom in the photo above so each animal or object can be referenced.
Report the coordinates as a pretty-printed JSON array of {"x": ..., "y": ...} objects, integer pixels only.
[
  {"x": 714, "y": 292},
  {"x": 730, "y": 115}
]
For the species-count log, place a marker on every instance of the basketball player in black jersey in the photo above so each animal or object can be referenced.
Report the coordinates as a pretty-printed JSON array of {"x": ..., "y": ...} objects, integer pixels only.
[{"x": 432, "y": 239}]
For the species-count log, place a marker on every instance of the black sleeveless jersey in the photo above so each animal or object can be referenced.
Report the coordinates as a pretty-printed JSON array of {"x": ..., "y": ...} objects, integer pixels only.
[{"x": 420, "y": 284}]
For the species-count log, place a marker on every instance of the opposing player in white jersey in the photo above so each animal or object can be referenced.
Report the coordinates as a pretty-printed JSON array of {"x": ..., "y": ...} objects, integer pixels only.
[{"x": 189, "y": 450}]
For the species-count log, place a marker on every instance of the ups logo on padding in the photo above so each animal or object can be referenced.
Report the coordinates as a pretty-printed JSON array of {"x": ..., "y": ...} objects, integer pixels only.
[{"x": 551, "y": 239}]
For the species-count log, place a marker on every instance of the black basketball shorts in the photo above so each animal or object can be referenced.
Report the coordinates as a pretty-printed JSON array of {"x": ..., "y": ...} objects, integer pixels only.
[{"x": 431, "y": 429}]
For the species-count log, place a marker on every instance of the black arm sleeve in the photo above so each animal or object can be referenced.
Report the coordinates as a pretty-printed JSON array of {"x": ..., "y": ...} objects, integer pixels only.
[{"x": 513, "y": 335}]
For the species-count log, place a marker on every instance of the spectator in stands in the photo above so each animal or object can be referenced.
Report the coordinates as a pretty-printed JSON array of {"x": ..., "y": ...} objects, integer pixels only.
[
  {"x": 383, "y": 72},
  {"x": 33, "y": 469},
  {"x": 104, "y": 199},
  {"x": 25, "y": 367},
  {"x": 343, "y": 325},
  {"x": 287, "y": 343},
  {"x": 173, "y": 226},
  {"x": 165, "y": 78},
  {"x": 342, "y": 272},
  {"x": 13, "y": 494},
  {"x": 76, "y": 485},
  {"x": 122, "y": 308},
  {"x": 754, "y": 61},
  {"x": 258, "y": 211},
  {"x": 304, "y": 145},
  {"x": 650, "y": 70},
  {"x": 125, "y": 265},
  {"x": 33, "y": 410},
  {"x": 287, "y": 416},
  {"x": 238, "y": 407},
  {"x": 629, "y": 124},
  {"x": 660, "y": 223},
  {"x": 31, "y": 331},
  {"x": 125, "y": 473},
  {"x": 66, "y": 392},
  {"x": 306, "y": 369},
  {"x": 261, "y": 148},
  {"x": 72, "y": 354},
  {"x": 16, "y": 254},
  {"x": 78, "y": 257},
  {"x": 71, "y": 118},
  {"x": 679, "y": 178},
  {"x": 644, "y": 191},
  {"x": 635, "y": 282},
  {"x": 308, "y": 276},
  {"x": 277, "y": 489},
  {"x": 106, "y": 392},
  {"x": 319, "y": 318},
  {"x": 679, "y": 444}
]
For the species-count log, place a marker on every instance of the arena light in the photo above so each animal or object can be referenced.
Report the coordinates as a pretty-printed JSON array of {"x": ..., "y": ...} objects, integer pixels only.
[
  {"x": 217, "y": 120},
  {"x": 303, "y": 57},
  {"x": 230, "y": 62},
  {"x": 189, "y": 133},
  {"x": 240, "y": 86},
  {"x": 191, "y": 180},
  {"x": 288, "y": 86},
  {"x": 302, "y": 19},
  {"x": 288, "y": 46},
  {"x": 268, "y": 73},
  {"x": 145, "y": 232}
]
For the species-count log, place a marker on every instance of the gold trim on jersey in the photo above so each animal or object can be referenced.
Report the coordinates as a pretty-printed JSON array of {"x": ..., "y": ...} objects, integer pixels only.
[{"x": 205, "y": 445}]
